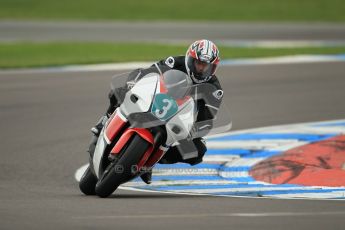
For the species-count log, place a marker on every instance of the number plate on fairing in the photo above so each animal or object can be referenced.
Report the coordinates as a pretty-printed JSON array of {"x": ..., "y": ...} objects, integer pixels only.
[{"x": 164, "y": 107}]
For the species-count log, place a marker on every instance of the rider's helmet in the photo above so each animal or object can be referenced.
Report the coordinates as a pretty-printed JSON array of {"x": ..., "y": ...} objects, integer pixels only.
[{"x": 202, "y": 59}]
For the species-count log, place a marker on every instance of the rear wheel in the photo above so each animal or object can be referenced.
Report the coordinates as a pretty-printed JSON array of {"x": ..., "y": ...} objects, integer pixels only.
[
  {"x": 121, "y": 171},
  {"x": 88, "y": 182}
]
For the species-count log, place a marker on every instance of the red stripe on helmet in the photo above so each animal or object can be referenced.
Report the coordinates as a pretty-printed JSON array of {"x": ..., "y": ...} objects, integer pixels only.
[{"x": 192, "y": 53}]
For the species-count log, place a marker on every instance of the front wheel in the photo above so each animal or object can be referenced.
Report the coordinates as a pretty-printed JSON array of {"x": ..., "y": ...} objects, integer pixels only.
[
  {"x": 88, "y": 182},
  {"x": 122, "y": 171}
]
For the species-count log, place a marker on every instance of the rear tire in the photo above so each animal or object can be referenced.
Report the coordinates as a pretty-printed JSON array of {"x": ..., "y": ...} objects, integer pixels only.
[
  {"x": 88, "y": 182},
  {"x": 112, "y": 176}
]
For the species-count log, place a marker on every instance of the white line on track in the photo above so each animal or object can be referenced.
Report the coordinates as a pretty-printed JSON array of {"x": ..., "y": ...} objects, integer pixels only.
[
  {"x": 280, "y": 128},
  {"x": 229, "y": 62},
  {"x": 184, "y": 182},
  {"x": 273, "y": 145},
  {"x": 200, "y": 215},
  {"x": 335, "y": 199},
  {"x": 257, "y": 189}
]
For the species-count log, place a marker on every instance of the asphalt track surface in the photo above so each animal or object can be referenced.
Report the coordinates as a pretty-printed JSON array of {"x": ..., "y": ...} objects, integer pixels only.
[
  {"x": 182, "y": 32},
  {"x": 45, "y": 120}
]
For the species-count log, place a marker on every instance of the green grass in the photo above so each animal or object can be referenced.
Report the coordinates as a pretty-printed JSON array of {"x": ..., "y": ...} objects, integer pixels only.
[
  {"x": 19, "y": 55},
  {"x": 226, "y": 10}
]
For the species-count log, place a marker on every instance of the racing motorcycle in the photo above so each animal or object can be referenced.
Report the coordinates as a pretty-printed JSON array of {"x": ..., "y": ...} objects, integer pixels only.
[{"x": 159, "y": 111}]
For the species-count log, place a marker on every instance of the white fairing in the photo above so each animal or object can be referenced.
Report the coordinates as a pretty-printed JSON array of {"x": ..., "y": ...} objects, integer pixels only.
[
  {"x": 184, "y": 120},
  {"x": 99, "y": 149},
  {"x": 145, "y": 90}
]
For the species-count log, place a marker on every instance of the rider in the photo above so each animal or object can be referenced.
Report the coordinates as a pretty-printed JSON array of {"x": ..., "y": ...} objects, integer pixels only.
[{"x": 200, "y": 64}]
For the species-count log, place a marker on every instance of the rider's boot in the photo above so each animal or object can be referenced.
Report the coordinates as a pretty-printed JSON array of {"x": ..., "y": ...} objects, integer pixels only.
[{"x": 147, "y": 176}]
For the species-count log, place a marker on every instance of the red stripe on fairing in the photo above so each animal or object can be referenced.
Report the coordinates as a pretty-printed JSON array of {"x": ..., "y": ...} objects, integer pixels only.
[
  {"x": 162, "y": 87},
  {"x": 143, "y": 133},
  {"x": 121, "y": 142},
  {"x": 317, "y": 164},
  {"x": 114, "y": 127}
]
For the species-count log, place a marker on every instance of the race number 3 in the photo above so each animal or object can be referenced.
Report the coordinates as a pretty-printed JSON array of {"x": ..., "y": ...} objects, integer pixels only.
[{"x": 164, "y": 106}]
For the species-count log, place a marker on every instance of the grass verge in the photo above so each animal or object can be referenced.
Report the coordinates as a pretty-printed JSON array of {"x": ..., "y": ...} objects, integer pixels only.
[
  {"x": 19, "y": 55},
  {"x": 225, "y": 10}
]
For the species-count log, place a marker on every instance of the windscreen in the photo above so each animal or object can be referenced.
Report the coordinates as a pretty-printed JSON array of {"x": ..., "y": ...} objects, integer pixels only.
[{"x": 174, "y": 88}]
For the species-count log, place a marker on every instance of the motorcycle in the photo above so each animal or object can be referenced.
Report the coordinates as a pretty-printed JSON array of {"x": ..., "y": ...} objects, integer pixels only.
[{"x": 159, "y": 111}]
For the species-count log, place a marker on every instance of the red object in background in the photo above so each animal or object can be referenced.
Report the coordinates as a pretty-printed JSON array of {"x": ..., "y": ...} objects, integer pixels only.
[{"x": 316, "y": 164}]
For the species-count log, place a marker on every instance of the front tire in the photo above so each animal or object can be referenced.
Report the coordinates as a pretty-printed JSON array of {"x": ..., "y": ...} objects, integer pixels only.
[
  {"x": 112, "y": 176},
  {"x": 88, "y": 182}
]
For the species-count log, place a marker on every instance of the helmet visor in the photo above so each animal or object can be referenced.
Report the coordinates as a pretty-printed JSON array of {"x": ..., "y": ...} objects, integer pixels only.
[{"x": 201, "y": 70}]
